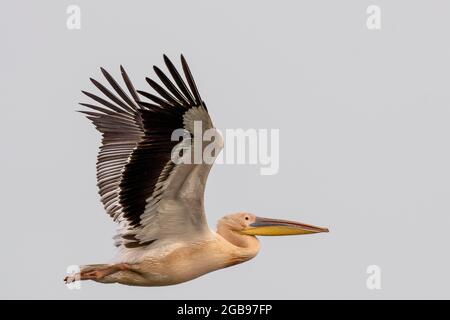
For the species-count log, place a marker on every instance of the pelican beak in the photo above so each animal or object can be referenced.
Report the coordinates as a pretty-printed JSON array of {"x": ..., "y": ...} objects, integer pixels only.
[{"x": 275, "y": 227}]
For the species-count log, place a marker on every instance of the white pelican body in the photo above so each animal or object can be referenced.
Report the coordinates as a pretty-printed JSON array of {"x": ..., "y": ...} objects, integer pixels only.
[
  {"x": 157, "y": 200},
  {"x": 180, "y": 262}
]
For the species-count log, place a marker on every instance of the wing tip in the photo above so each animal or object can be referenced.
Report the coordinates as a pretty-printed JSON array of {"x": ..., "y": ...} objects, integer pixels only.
[
  {"x": 95, "y": 82},
  {"x": 156, "y": 69}
]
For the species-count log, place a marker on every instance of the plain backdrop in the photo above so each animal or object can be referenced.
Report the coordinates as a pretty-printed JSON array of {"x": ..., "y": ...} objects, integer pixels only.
[{"x": 364, "y": 140}]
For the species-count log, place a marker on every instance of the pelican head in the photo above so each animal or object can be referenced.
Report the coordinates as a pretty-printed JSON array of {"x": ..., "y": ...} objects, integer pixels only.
[
  {"x": 248, "y": 224},
  {"x": 240, "y": 229}
]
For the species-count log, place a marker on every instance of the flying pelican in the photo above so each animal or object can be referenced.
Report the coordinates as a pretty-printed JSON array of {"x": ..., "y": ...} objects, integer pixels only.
[{"x": 163, "y": 237}]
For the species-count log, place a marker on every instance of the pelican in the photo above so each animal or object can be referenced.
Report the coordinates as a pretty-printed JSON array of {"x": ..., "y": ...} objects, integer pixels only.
[{"x": 163, "y": 236}]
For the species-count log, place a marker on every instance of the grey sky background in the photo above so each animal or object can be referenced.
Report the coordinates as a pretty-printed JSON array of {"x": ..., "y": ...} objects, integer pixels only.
[{"x": 364, "y": 140}]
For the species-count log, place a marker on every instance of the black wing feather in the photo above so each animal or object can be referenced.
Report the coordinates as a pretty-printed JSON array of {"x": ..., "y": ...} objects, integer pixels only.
[
  {"x": 179, "y": 81},
  {"x": 170, "y": 86},
  {"x": 119, "y": 90},
  {"x": 111, "y": 96},
  {"x": 129, "y": 85},
  {"x": 161, "y": 102},
  {"x": 163, "y": 93},
  {"x": 190, "y": 80}
]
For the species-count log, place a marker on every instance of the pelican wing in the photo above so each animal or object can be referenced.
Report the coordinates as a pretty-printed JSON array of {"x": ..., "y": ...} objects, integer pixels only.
[{"x": 141, "y": 186}]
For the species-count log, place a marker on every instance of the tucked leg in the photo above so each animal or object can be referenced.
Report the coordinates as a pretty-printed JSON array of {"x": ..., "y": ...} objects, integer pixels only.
[{"x": 97, "y": 272}]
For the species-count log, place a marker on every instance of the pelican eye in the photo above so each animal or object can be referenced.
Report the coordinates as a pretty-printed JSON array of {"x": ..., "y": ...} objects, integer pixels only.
[{"x": 246, "y": 218}]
